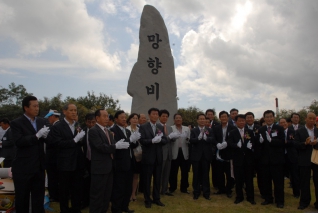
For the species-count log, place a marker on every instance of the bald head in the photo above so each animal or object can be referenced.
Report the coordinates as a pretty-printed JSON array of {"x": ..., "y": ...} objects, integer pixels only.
[{"x": 310, "y": 120}]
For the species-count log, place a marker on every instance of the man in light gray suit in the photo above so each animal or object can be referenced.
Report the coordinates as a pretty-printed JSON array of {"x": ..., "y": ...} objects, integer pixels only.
[{"x": 166, "y": 151}]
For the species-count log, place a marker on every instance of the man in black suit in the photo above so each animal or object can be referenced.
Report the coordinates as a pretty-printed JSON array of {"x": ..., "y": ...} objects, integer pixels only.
[
  {"x": 223, "y": 155},
  {"x": 50, "y": 159},
  {"x": 124, "y": 164},
  {"x": 210, "y": 114},
  {"x": 305, "y": 142},
  {"x": 241, "y": 142},
  {"x": 295, "y": 118},
  {"x": 8, "y": 149},
  {"x": 272, "y": 151},
  {"x": 152, "y": 139},
  {"x": 201, "y": 140},
  {"x": 70, "y": 159},
  {"x": 291, "y": 156},
  {"x": 29, "y": 133},
  {"x": 233, "y": 113},
  {"x": 89, "y": 122}
]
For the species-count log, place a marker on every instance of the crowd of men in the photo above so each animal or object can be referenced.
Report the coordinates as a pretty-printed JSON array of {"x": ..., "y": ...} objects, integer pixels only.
[{"x": 98, "y": 165}]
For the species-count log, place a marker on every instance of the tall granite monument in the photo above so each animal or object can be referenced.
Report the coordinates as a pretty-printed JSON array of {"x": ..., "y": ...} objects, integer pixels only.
[{"x": 152, "y": 82}]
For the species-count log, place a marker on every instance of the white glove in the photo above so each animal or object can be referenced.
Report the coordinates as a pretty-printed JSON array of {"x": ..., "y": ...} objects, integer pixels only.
[
  {"x": 219, "y": 146},
  {"x": 160, "y": 134},
  {"x": 200, "y": 136},
  {"x": 268, "y": 137},
  {"x": 249, "y": 145},
  {"x": 121, "y": 144},
  {"x": 42, "y": 132},
  {"x": 239, "y": 144},
  {"x": 204, "y": 137},
  {"x": 79, "y": 136},
  {"x": 224, "y": 144},
  {"x": 174, "y": 135},
  {"x": 134, "y": 137},
  {"x": 156, "y": 139},
  {"x": 261, "y": 139}
]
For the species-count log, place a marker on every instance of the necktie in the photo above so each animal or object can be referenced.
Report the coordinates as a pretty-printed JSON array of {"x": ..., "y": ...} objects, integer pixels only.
[
  {"x": 107, "y": 135},
  {"x": 88, "y": 152},
  {"x": 242, "y": 134},
  {"x": 295, "y": 127},
  {"x": 153, "y": 129},
  {"x": 165, "y": 129},
  {"x": 124, "y": 131},
  {"x": 269, "y": 130},
  {"x": 286, "y": 135}
]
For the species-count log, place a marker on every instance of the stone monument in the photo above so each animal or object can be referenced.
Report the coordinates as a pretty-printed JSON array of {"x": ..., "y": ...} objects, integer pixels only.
[{"x": 152, "y": 81}]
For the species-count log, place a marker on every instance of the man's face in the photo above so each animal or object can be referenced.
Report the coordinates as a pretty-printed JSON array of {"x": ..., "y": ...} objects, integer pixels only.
[
  {"x": 269, "y": 119},
  {"x": 178, "y": 120},
  {"x": 142, "y": 119},
  {"x": 207, "y": 122},
  {"x": 71, "y": 112},
  {"x": 51, "y": 119},
  {"x": 121, "y": 120},
  {"x": 103, "y": 118},
  {"x": 233, "y": 114},
  {"x": 224, "y": 118},
  {"x": 310, "y": 119},
  {"x": 163, "y": 118},
  {"x": 90, "y": 123},
  {"x": 283, "y": 123},
  {"x": 4, "y": 126},
  {"x": 240, "y": 123},
  {"x": 153, "y": 116},
  {"x": 110, "y": 122},
  {"x": 295, "y": 119},
  {"x": 33, "y": 109},
  {"x": 210, "y": 115},
  {"x": 249, "y": 120},
  {"x": 201, "y": 121}
]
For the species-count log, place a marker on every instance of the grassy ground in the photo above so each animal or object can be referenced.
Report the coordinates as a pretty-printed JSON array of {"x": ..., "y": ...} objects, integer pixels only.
[{"x": 219, "y": 203}]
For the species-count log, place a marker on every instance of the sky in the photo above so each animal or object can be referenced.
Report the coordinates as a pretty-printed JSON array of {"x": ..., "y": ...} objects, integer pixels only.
[{"x": 227, "y": 54}]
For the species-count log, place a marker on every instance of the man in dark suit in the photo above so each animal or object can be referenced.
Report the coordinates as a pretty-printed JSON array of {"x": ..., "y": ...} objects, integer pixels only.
[
  {"x": 29, "y": 133},
  {"x": 201, "y": 140},
  {"x": 272, "y": 151},
  {"x": 152, "y": 139},
  {"x": 305, "y": 142},
  {"x": 8, "y": 149},
  {"x": 223, "y": 156},
  {"x": 103, "y": 149},
  {"x": 241, "y": 142},
  {"x": 124, "y": 164},
  {"x": 70, "y": 159},
  {"x": 295, "y": 118},
  {"x": 291, "y": 156},
  {"x": 233, "y": 113}
]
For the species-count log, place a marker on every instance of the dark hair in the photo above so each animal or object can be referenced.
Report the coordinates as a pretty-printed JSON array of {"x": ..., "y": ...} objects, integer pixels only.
[
  {"x": 239, "y": 116},
  {"x": 249, "y": 113},
  {"x": 261, "y": 121},
  {"x": 210, "y": 110},
  {"x": 153, "y": 109},
  {"x": 89, "y": 116},
  {"x": 65, "y": 107},
  {"x": 281, "y": 119},
  {"x": 294, "y": 113},
  {"x": 288, "y": 120},
  {"x": 5, "y": 121},
  {"x": 26, "y": 101},
  {"x": 111, "y": 117},
  {"x": 97, "y": 112},
  {"x": 268, "y": 112},
  {"x": 174, "y": 116},
  {"x": 131, "y": 116},
  {"x": 118, "y": 113},
  {"x": 200, "y": 114},
  {"x": 164, "y": 111},
  {"x": 234, "y": 110},
  {"x": 224, "y": 112}
]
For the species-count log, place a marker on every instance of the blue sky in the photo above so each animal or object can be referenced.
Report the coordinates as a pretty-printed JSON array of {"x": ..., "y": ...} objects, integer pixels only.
[{"x": 227, "y": 54}]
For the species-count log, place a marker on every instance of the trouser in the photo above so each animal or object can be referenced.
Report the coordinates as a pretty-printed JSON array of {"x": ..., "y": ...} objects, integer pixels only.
[{"x": 184, "y": 167}]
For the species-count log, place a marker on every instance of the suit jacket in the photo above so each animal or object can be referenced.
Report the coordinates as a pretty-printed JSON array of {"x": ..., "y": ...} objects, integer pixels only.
[
  {"x": 257, "y": 150},
  {"x": 30, "y": 150},
  {"x": 201, "y": 148},
  {"x": 272, "y": 152},
  {"x": 124, "y": 158},
  {"x": 8, "y": 150},
  {"x": 239, "y": 154},
  {"x": 84, "y": 141},
  {"x": 214, "y": 124},
  {"x": 51, "y": 149},
  {"x": 225, "y": 154},
  {"x": 304, "y": 151},
  {"x": 101, "y": 150},
  {"x": 151, "y": 151},
  {"x": 70, "y": 156},
  {"x": 292, "y": 152},
  {"x": 183, "y": 141},
  {"x": 230, "y": 121},
  {"x": 167, "y": 148}
]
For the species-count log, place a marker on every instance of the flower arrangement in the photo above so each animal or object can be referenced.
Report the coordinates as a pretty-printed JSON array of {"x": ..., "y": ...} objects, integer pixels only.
[
  {"x": 206, "y": 132},
  {"x": 291, "y": 137},
  {"x": 158, "y": 131},
  {"x": 247, "y": 136},
  {"x": 78, "y": 128}
]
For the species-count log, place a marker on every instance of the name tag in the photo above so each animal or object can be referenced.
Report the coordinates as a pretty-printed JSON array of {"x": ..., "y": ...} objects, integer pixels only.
[{"x": 274, "y": 134}]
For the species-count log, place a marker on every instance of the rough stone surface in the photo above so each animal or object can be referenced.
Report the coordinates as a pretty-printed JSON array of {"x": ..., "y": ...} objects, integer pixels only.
[{"x": 151, "y": 84}]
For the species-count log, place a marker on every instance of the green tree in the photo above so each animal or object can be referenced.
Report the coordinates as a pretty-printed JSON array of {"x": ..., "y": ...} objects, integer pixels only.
[
  {"x": 189, "y": 115},
  {"x": 313, "y": 107}
]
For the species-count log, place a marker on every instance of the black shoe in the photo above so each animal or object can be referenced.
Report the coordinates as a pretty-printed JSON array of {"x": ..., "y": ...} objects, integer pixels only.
[
  {"x": 229, "y": 195},
  {"x": 302, "y": 207},
  {"x": 148, "y": 204},
  {"x": 207, "y": 197},
  {"x": 266, "y": 202},
  {"x": 296, "y": 196},
  {"x": 280, "y": 205},
  {"x": 195, "y": 197},
  {"x": 238, "y": 201},
  {"x": 128, "y": 211},
  {"x": 168, "y": 193},
  {"x": 158, "y": 203},
  {"x": 252, "y": 202},
  {"x": 219, "y": 193},
  {"x": 185, "y": 191}
]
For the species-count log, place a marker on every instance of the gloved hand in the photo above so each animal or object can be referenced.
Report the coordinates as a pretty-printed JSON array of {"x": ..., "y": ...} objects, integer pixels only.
[
  {"x": 121, "y": 144},
  {"x": 268, "y": 137},
  {"x": 42, "y": 132},
  {"x": 200, "y": 136},
  {"x": 79, "y": 136},
  {"x": 224, "y": 144},
  {"x": 135, "y": 136},
  {"x": 160, "y": 134},
  {"x": 156, "y": 139},
  {"x": 249, "y": 145},
  {"x": 204, "y": 136},
  {"x": 239, "y": 144},
  {"x": 261, "y": 139},
  {"x": 174, "y": 135},
  {"x": 219, "y": 146}
]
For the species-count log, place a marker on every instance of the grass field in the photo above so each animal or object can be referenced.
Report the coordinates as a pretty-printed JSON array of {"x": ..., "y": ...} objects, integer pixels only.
[{"x": 219, "y": 203}]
